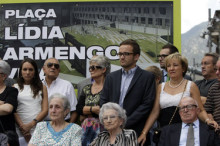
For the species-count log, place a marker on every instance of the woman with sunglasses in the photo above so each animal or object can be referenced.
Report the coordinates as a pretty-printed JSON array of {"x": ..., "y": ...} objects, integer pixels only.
[
  {"x": 32, "y": 100},
  {"x": 88, "y": 104}
]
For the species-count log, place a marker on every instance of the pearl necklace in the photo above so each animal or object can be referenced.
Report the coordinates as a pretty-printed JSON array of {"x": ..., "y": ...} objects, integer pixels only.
[{"x": 176, "y": 85}]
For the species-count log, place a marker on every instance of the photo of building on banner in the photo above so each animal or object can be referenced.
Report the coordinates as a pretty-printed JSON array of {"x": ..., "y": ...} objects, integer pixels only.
[{"x": 75, "y": 31}]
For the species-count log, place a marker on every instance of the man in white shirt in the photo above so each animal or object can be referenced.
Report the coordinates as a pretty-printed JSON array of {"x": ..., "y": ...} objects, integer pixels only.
[
  {"x": 55, "y": 84},
  {"x": 177, "y": 134}
]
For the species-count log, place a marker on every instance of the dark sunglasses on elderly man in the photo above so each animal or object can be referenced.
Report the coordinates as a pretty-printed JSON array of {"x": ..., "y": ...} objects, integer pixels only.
[
  {"x": 49, "y": 65},
  {"x": 93, "y": 67}
]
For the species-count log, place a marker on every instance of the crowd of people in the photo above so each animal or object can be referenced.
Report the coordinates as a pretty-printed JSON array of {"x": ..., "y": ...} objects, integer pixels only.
[{"x": 120, "y": 108}]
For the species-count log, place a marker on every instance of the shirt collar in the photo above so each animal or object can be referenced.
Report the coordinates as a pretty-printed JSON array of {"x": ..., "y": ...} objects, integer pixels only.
[
  {"x": 131, "y": 71},
  {"x": 195, "y": 124},
  {"x": 164, "y": 72},
  {"x": 53, "y": 82}
]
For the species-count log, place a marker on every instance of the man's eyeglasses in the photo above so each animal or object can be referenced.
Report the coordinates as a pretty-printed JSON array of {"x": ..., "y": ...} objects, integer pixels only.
[
  {"x": 188, "y": 107},
  {"x": 124, "y": 53},
  {"x": 162, "y": 56},
  {"x": 49, "y": 65},
  {"x": 112, "y": 117},
  {"x": 93, "y": 67}
]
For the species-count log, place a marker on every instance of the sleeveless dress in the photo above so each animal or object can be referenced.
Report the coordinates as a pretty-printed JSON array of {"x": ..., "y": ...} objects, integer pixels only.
[
  {"x": 168, "y": 104},
  {"x": 28, "y": 108}
]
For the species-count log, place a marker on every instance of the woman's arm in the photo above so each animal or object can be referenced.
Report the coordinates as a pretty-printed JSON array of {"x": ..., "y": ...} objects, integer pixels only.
[
  {"x": 44, "y": 106},
  {"x": 194, "y": 91},
  {"x": 152, "y": 117},
  {"x": 10, "y": 102},
  {"x": 82, "y": 109},
  {"x": 6, "y": 109},
  {"x": 25, "y": 128}
]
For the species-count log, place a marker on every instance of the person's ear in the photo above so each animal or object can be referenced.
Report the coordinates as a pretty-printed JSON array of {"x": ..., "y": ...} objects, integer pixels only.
[
  {"x": 104, "y": 70},
  {"x": 136, "y": 57}
]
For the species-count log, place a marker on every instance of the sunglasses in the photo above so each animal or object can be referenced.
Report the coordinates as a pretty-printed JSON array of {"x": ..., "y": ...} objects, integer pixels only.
[
  {"x": 49, "y": 65},
  {"x": 93, "y": 67}
]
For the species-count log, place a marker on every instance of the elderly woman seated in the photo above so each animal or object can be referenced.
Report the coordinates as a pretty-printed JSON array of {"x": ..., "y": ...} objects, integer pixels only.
[
  {"x": 113, "y": 117},
  {"x": 57, "y": 131}
]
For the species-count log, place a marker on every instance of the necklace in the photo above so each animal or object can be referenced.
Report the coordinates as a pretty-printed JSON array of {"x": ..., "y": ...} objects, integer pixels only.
[{"x": 176, "y": 85}]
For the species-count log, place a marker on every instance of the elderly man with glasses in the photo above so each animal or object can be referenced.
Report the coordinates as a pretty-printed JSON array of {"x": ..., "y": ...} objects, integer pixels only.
[
  {"x": 55, "y": 84},
  {"x": 191, "y": 132}
]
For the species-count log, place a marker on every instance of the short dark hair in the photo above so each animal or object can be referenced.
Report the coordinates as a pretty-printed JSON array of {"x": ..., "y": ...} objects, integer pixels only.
[
  {"x": 172, "y": 48},
  {"x": 134, "y": 44},
  {"x": 214, "y": 56}
]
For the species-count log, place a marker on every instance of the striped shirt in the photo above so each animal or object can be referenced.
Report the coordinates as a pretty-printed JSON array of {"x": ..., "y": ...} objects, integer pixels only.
[
  {"x": 212, "y": 105},
  {"x": 125, "y": 138}
]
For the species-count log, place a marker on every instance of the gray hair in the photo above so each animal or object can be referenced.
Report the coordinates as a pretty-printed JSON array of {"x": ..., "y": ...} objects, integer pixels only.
[
  {"x": 114, "y": 106},
  {"x": 66, "y": 103},
  {"x": 103, "y": 61},
  {"x": 5, "y": 67},
  {"x": 187, "y": 97},
  {"x": 51, "y": 58}
]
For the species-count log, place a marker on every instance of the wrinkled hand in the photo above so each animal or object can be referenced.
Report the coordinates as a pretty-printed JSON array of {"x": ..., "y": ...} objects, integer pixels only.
[
  {"x": 213, "y": 123},
  {"x": 142, "y": 139}
]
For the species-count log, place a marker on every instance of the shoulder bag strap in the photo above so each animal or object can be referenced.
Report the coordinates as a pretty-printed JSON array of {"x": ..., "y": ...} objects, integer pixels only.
[{"x": 177, "y": 105}]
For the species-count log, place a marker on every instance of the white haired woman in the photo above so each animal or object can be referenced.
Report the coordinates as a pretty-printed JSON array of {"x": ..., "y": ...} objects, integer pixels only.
[
  {"x": 57, "y": 131},
  {"x": 88, "y": 104},
  {"x": 113, "y": 117}
]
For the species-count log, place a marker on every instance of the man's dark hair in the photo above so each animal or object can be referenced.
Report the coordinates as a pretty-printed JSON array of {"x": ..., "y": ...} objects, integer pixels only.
[
  {"x": 214, "y": 56},
  {"x": 172, "y": 48},
  {"x": 134, "y": 44}
]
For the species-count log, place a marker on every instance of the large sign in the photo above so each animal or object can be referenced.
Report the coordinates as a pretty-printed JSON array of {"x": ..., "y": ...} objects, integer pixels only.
[{"x": 74, "y": 31}]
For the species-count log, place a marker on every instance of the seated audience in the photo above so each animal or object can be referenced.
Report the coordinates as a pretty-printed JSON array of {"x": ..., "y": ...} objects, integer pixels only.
[
  {"x": 113, "y": 117},
  {"x": 88, "y": 104},
  {"x": 192, "y": 131},
  {"x": 57, "y": 131},
  {"x": 8, "y": 100},
  {"x": 32, "y": 100}
]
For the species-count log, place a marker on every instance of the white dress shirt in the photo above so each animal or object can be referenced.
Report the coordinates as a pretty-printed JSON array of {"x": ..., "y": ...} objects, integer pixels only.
[
  {"x": 184, "y": 131},
  {"x": 65, "y": 88}
]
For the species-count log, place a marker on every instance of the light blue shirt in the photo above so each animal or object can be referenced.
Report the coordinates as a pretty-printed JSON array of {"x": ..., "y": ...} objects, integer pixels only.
[
  {"x": 164, "y": 75},
  {"x": 125, "y": 82},
  {"x": 184, "y": 131}
]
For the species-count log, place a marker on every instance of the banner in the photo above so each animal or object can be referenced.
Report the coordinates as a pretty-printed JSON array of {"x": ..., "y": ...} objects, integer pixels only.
[{"x": 74, "y": 31}]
